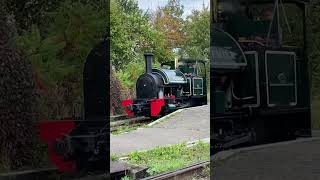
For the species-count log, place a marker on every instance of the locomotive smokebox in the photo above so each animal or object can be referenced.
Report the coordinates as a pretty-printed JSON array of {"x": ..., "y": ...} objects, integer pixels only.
[{"x": 148, "y": 58}]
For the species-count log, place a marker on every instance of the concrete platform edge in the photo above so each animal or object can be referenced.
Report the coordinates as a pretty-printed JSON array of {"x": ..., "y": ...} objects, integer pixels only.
[{"x": 165, "y": 117}]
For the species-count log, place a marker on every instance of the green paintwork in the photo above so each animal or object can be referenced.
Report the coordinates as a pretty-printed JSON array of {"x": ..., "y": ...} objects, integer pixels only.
[
  {"x": 247, "y": 87},
  {"x": 186, "y": 69},
  {"x": 241, "y": 26},
  {"x": 171, "y": 106},
  {"x": 219, "y": 102}
]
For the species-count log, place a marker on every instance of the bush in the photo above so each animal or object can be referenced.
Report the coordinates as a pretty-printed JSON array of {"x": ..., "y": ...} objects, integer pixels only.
[
  {"x": 116, "y": 95},
  {"x": 18, "y": 105}
]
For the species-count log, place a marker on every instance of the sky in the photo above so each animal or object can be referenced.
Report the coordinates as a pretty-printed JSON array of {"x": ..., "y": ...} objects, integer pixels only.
[{"x": 189, "y": 5}]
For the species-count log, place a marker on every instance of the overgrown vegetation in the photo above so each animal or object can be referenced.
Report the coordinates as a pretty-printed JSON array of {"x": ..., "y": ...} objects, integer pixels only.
[
  {"x": 43, "y": 46},
  {"x": 114, "y": 157},
  {"x": 170, "y": 158},
  {"x": 59, "y": 50},
  {"x": 19, "y": 108}
]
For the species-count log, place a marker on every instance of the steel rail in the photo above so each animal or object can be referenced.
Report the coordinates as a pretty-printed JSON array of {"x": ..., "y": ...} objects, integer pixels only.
[
  {"x": 42, "y": 173},
  {"x": 49, "y": 174},
  {"x": 181, "y": 173},
  {"x": 128, "y": 121}
]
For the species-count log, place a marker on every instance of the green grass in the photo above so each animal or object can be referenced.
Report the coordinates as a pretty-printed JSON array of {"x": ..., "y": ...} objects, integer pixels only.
[
  {"x": 126, "y": 178},
  {"x": 114, "y": 157},
  {"x": 163, "y": 159},
  {"x": 315, "y": 114}
]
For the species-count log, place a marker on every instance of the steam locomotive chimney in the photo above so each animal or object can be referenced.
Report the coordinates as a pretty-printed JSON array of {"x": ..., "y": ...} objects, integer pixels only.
[{"x": 148, "y": 58}]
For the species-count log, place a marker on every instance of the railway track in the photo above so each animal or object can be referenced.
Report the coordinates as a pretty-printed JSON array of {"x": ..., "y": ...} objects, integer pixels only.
[
  {"x": 49, "y": 174},
  {"x": 34, "y": 174},
  {"x": 184, "y": 173},
  {"x": 129, "y": 122}
]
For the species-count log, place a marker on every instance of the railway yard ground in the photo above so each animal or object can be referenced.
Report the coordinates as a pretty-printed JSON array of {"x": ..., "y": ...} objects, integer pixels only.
[
  {"x": 191, "y": 124},
  {"x": 291, "y": 160},
  {"x": 172, "y": 142}
]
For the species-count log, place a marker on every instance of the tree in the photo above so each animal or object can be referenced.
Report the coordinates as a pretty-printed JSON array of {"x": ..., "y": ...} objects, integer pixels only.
[
  {"x": 132, "y": 35},
  {"x": 169, "y": 21},
  {"x": 58, "y": 52},
  {"x": 197, "y": 28}
]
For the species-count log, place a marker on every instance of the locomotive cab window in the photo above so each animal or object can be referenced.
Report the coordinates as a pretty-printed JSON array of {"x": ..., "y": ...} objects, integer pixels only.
[{"x": 281, "y": 78}]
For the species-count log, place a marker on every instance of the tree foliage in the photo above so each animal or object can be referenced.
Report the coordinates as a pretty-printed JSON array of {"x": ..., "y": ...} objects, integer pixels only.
[
  {"x": 314, "y": 45},
  {"x": 59, "y": 51},
  {"x": 132, "y": 35},
  {"x": 169, "y": 21},
  {"x": 197, "y": 27},
  {"x": 18, "y": 103}
]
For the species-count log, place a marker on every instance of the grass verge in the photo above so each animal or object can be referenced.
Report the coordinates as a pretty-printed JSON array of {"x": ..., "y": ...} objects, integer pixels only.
[
  {"x": 164, "y": 159},
  {"x": 114, "y": 157}
]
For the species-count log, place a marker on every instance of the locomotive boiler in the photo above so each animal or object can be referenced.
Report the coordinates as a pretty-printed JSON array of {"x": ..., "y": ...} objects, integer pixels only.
[{"x": 163, "y": 90}]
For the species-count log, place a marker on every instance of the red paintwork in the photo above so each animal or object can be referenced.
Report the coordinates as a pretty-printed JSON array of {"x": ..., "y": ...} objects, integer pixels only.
[
  {"x": 173, "y": 97},
  {"x": 49, "y": 132},
  {"x": 126, "y": 103},
  {"x": 155, "y": 106}
]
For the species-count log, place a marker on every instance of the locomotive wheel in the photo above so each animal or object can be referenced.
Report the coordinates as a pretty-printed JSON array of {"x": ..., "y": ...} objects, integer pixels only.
[{"x": 154, "y": 118}]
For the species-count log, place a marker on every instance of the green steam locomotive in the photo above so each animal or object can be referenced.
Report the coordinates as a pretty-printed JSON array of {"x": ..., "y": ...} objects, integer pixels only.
[{"x": 261, "y": 83}]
